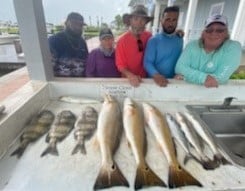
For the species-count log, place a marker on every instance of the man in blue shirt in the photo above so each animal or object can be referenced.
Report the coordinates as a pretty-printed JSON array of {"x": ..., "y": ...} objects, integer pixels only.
[
  {"x": 163, "y": 50},
  {"x": 69, "y": 49}
]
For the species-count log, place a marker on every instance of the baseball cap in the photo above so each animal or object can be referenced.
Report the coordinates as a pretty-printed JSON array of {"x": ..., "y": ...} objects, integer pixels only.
[
  {"x": 105, "y": 32},
  {"x": 216, "y": 19},
  {"x": 75, "y": 16}
]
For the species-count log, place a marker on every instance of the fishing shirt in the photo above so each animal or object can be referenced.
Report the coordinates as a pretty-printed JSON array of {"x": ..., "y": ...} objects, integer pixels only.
[
  {"x": 161, "y": 54},
  {"x": 128, "y": 55},
  {"x": 195, "y": 64},
  {"x": 101, "y": 65},
  {"x": 69, "y": 54}
]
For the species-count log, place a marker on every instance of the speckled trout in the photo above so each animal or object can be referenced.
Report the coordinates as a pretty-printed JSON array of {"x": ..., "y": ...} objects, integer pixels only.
[
  {"x": 156, "y": 121},
  {"x": 36, "y": 128},
  {"x": 196, "y": 141},
  {"x": 63, "y": 124},
  {"x": 134, "y": 128},
  {"x": 109, "y": 128},
  {"x": 84, "y": 128},
  {"x": 208, "y": 138},
  {"x": 179, "y": 137}
]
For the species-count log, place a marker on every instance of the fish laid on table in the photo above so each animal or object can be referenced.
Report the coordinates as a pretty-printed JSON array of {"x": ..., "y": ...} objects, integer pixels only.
[
  {"x": 63, "y": 124},
  {"x": 195, "y": 141},
  {"x": 134, "y": 128},
  {"x": 177, "y": 176},
  {"x": 80, "y": 100},
  {"x": 108, "y": 135},
  {"x": 37, "y": 127},
  {"x": 179, "y": 136},
  {"x": 208, "y": 138},
  {"x": 84, "y": 128}
]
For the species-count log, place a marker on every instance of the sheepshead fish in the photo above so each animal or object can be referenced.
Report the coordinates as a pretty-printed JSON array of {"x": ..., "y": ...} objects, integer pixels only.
[
  {"x": 109, "y": 129},
  {"x": 84, "y": 128},
  {"x": 208, "y": 138},
  {"x": 179, "y": 136},
  {"x": 136, "y": 137},
  {"x": 195, "y": 141},
  {"x": 63, "y": 124},
  {"x": 156, "y": 121},
  {"x": 37, "y": 127}
]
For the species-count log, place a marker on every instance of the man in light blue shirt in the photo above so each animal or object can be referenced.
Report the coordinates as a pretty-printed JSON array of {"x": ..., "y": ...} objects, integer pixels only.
[
  {"x": 213, "y": 58},
  {"x": 163, "y": 50}
]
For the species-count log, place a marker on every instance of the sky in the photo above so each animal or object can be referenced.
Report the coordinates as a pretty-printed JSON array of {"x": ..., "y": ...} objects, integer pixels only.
[{"x": 56, "y": 10}]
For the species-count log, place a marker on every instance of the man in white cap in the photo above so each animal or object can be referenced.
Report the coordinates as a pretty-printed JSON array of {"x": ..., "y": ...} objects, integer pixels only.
[
  {"x": 131, "y": 45},
  {"x": 213, "y": 58}
]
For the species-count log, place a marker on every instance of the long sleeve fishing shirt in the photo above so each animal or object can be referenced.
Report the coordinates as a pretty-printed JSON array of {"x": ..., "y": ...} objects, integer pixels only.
[
  {"x": 161, "y": 54},
  {"x": 195, "y": 64}
]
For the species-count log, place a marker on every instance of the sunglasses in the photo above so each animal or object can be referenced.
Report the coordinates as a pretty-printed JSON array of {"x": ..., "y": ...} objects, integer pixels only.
[
  {"x": 140, "y": 45},
  {"x": 210, "y": 30}
]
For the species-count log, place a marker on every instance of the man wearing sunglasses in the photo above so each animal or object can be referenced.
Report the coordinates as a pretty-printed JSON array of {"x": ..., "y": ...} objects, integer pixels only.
[
  {"x": 130, "y": 46},
  {"x": 163, "y": 50},
  {"x": 213, "y": 58}
]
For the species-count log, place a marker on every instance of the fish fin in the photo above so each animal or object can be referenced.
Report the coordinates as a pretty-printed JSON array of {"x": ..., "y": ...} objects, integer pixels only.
[
  {"x": 79, "y": 147},
  {"x": 146, "y": 177},
  {"x": 109, "y": 177},
  {"x": 51, "y": 149},
  {"x": 180, "y": 177},
  {"x": 187, "y": 158},
  {"x": 19, "y": 151}
]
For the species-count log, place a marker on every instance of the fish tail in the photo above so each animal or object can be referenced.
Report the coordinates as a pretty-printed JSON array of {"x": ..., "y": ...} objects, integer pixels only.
[
  {"x": 191, "y": 156},
  {"x": 79, "y": 147},
  {"x": 221, "y": 159},
  {"x": 146, "y": 177},
  {"x": 210, "y": 164},
  {"x": 19, "y": 151},
  {"x": 51, "y": 149},
  {"x": 109, "y": 177},
  {"x": 188, "y": 157},
  {"x": 179, "y": 177}
]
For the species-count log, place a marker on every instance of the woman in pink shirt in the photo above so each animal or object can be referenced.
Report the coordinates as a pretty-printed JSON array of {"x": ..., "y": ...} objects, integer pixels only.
[{"x": 131, "y": 45}]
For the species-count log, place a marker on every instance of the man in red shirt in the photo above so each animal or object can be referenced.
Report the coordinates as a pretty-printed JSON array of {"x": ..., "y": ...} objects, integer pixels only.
[{"x": 131, "y": 45}]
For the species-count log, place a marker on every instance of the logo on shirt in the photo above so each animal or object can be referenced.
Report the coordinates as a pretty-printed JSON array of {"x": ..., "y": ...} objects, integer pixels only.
[{"x": 210, "y": 64}]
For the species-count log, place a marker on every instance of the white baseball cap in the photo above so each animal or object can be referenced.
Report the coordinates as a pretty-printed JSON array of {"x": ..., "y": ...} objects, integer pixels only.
[{"x": 216, "y": 19}]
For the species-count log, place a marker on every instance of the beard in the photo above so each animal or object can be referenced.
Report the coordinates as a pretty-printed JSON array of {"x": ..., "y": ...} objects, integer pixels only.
[
  {"x": 169, "y": 30},
  {"x": 137, "y": 30},
  {"x": 75, "y": 34}
]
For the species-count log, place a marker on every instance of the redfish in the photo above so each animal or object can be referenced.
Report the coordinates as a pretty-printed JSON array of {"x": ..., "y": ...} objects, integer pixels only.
[
  {"x": 156, "y": 121},
  {"x": 135, "y": 133},
  {"x": 109, "y": 129}
]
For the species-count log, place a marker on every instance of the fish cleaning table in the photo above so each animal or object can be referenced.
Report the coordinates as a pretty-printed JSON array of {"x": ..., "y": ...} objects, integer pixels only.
[{"x": 79, "y": 172}]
